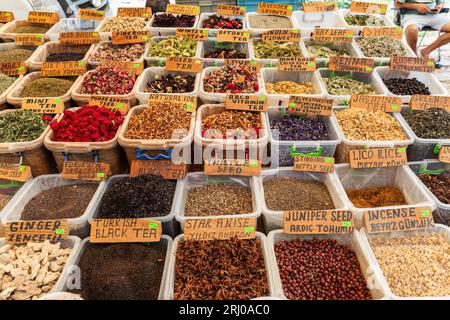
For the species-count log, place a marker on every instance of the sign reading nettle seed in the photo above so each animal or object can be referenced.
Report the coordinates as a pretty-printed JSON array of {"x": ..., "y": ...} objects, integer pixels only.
[
  {"x": 188, "y": 102},
  {"x": 183, "y": 9},
  {"x": 125, "y": 230},
  {"x": 36, "y": 231},
  {"x": 14, "y": 172},
  {"x": 319, "y": 6},
  {"x": 281, "y": 35},
  {"x": 89, "y": 14},
  {"x": 113, "y": 103},
  {"x": 275, "y": 9},
  {"x": 313, "y": 163},
  {"x": 145, "y": 12},
  {"x": 164, "y": 168},
  {"x": 246, "y": 102},
  {"x": 350, "y": 64},
  {"x": 444, "y": 154},
  {"x": 43, "y": 105},
  {"x": 13, "y": 68},
  {"x": 128, "y": 37},
  {"x": 241, "y": 36},
  {"x": 376, "y": 103},
  {"x": 421, "y": 102},
  {"x": 193, "y": 34},
  {"x": 219, "y": 229},
  {"x": 296, "y": 64},
  {"x": 393, "y": 32},
  {"x": 42, "y": 17},
  {"x": 133, "y": 68},
  {"x": 232, "y": 167},
  {"x": 413, "y": 64},
  {"x": 230, "y": 10},
  {"x": 26, "y": 39},
  {"x": 378, "y": 158},
  {"x": 332, "y": 35},
  {"x": 368, "y": 7},
  {"x": 6, "y": 16},
  {"x": 254, "y": 65},
  {"x": 184, "y": 64},
  {"x": 318, "y": 222},
  {"x": 402, "y": 219},
  {"x": 310, "y": 105},
  {"x": 79, "y": 170},
  {"x": 63, "y": 68},
  {"x": 78, "y": 38}
]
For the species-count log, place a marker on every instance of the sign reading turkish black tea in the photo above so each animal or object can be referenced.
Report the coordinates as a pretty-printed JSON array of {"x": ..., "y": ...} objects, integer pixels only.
[
  {"x": 313, "y": 164},
  {"x": 133, "y": 68},
  {"x": 14, "y": 172},
  {"x": 368, "y": 7},
  {"x": 310, "y": 105},
  {"x": 219, "y": 229},
  {"x": 232, "y": 167},
  {"x": 193, "y": 34},
  {"x": 319, "y": 6},
  {"x": 145, "y": 12},
  {"x": 79, "y": 170},
  {"x": 275, "y": 9},
  {"x": 184, "y": 64},
  {"x": 125, "y": 230},
  {"x": 113, "y": 103},
  {"x": 281, "y": 35},
  {"x": 42, "y": 17},
  {"x": 318, "y": 222},
  {"x": 393, "y": 32},
  {"x": 230, "y": 10},
  {"x": 422, "y": 102},
  {"x": 444, "y": 154},
  {"x": 412, "y": 64},
  {"x": 183, "y": 9},
  {"x": 13, "y": 68},
  {"x": 332, "y": 35},
  {"x": 350, "y": 64},
  {"x": 6, "y": 16},
  {"x": 297, "y": 64},
  {"x": 378, "y": 158},
  {"x": 43, "y": 105},
  {"x": 36, "y": 231},
  {"x": 233, "y": 36},
  {"x": 253, "y": 65},
  {"x": 164, "y": 168},
  {"x": 26, "y": 39},
  {"x": 89, "y": 14},
  {"x": 376, "y": 103},
  {"x": 78, "y": 38},
  {"x": 63, "y": 68},
  {"x": 127, "y": 37},
  {"x": 188, "y": 102},
  {"x": 246, "y": 102}
]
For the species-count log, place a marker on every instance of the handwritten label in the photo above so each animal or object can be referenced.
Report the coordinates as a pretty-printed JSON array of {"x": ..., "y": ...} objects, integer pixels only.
[
  {"x": 219, "y": 229},
  {"x": 145, "y": 12},
  {"x": 444, "y": 154},
  {"x": 319, "y": 6},
  {"x": 368, "y": 7},
  {"x": 275, "y": 9},
  {"x": 233, "y": 36},
  {"x": 183, "y": 9},
  {"x": 253, "y": 65},
  {"x": 127, "y": 37},
  {"x": 184, "y": 64},
  {"x": 310, "y": 105},
  {"x": 6, "y": 16},
  {"x": 125, "y": 230},
  {"x": 193, "y": 34},
  {"x": 14, "y": 172},
  {"x": 63, "y": 68},
  {"x": 43, "y": 17},
  {"x": 393, "y": 32},
  {"x": 246, "y": 102},
  {"x": 232, "y": 167},
  {"x": 133, "y": 68},
  {"x": 89, "y": 14},
  {"x": 314, "y": 164},
  {"x": 378, "y": 158},
  {"x": 164, "y": 168},
  {"x": 412, "y": 64},
  {"x": 390, "y": 220},
  {"x": 376, "y": 103},
  {"x": 421, "y": 102},
  {"x": 13, "y": 68},
  {"x": 281, "y": 35},
  {"x": 187, "y": 102},
  {"x": 318, "y": 222},
  {"x": 295, "y": 64},
  {"x": 78, "y": 38},
  {"x": 36, "y": 231},
  {"x": 113, "y": 103},
  {"x": 29, "y": 39},
  {"x": 230, "y": 10},
  {"x": 43, "y": 105},
  {"x": 79, "y": 170},
  {"x": 332, "y": 35},
  {"x": 350, "y": 64}
]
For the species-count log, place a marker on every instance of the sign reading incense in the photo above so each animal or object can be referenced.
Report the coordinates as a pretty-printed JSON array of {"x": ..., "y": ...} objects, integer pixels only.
[
  {"x": 14, "y": 172},
  {"x": 42, "y": 17},
  {"x": 318, "y": 222},
  {"x": 13, "y": 68},
  {"x": 421, "y": 102},
  {"x": 376, "y": 103},
  {"x": 378, "y": 158},
  {"x": 295, "y": 64},
  {"x": 310, "y": 105},
  {"x": 187, "y": 102},
  {"x": 350, "y": 64},
  {"x": 89, "y": 14},
  {"x": 183, "y": 9},
  {"x": 78, "y": 38},
  {"x": 126, "y": 37},
  {"x": 29, "y": 39},
  {"x": 389, "y": 220},
  {"x": 275, "y": 9},
  {"x": 368, "y": 7},
  {"x": 6, "y": 16},
  {"x": 444, "y": 154},
  {"x": 145, "y": 12},
  {"x": 125, "y": 230},
  {"x": 184, "y": 64},
  {"x": 233, "y": 36},
  {"x": 113, "y": 103},
  {"x": 232, "y": 167},
  {"x": 63, "y": 68},
  {"x": 281, "y": 35},
  {"x": 393, "y": 32},
  {"x": 313, "y": 164},
  {"x": 412, "y": 64},
  {"x": 253, "y": 65},
  {"x": 133, "y": 68},
  {"x": 164, "y": 168},
  {"x": 36, "y": 231},
  {"x": 79, "y": 170},
  {"x": 332, "y": 35},
  {"x": 43, "y": 105},
  {"x": 246, "y": 102},
  {"x": 319, "y": 6},
  {"x": 193, "y": 34},
  {"x": 219, "y": 228},
  {"x": 230, "y": 10}
]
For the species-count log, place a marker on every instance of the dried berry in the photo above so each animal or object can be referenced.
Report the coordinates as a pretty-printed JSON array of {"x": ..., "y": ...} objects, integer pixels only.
[
  {"x": 220, "y": 22},
  {"x": 127, "y": 52},
  {"x": 168, "y": 20},
  {"x": 406, "y": 87},
  {"x": 439, "y": 185},
  {"x": 227, "y": 53},
  {"x": 232, "y": 78},
  {"x": 171, "y": 83}
]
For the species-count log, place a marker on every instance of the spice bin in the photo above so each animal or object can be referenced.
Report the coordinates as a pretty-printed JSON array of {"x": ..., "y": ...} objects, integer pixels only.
[
  {"x": 96, "y": 48},
  {"x": 160, "y": 61},
  {"x": 9, "y": 31},
  {"x": 78, "y": 226},
  {"x": 383, "y": 60},
  {"x": 287, "y": 23},
  {"x": 71, "y": 25},
  {"x": 162, "y": 31},
  {"x": 351, "y": 241},
  {"x": 5, "y": 93},
  {"x": 307, "y": 21},
  {"x": 378, "y": 20},
  {"x": 349, "y": 47},
  {"x": 213, "y": 31},
  {"x": 8, "y": 46},
  {"x": 272, "y": 62},
  {"x": 140, "y": 24},
  {"x": 211, "y": 45}
]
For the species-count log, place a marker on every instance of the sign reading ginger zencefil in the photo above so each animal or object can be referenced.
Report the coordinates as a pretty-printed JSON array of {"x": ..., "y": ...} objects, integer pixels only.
[
  {"x": 318, "y": 221},
  {"x": 125, "y": 230},
  {"x": 219, "y": 228},
  {"x": 389, "y": 220},
  {"x": 378, "y": 158},
  {"x": 36, "y": 231},
  {"x": 412, "y": 64}
]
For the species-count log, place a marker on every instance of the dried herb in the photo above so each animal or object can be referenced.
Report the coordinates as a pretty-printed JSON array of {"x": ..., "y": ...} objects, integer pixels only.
[
  {"x": 231, "y": 79},
  {"x": 433, "y": 123},
  {"x": 4, "y": 200},
  {"x": 15, "y": 55},
  {"x": 220, "y": 22},
  {"x": 296, "y": 128},
  {"x": 46, "y": 87},
  {"x": 173, "y": 21},
  {"x": 232, "y": 124},
  {"x": 5, "y": 82},
  {"x": 363, "y": 20},
  {"x": 21, "y": 126},
  {"x": 31, "y": 28},
  {"x": 380, "y": 47},
  {"x": 376, "y": 197},
  {"x": 269, "y": 22},
  {"x": 124, "y": 24},
  {"x": 345, "y": 86},
  {"x": 172, "y": 47},
  {"x": 275, "y": 50},
  {"x": 325, "y": 51},
  {"x": 65, "y": 56},
  {"x": 406, "y": 87},
  {"x": 171, "y": 83},
  {"x": 128, "y": 52},
  {"x": 290, "y": 87}
]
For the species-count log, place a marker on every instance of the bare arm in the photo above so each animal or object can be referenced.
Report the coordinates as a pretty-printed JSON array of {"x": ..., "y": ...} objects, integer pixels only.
[{"x": 422, "y": 8}]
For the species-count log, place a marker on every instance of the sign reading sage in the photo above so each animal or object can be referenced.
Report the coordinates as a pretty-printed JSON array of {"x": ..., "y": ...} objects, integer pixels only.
[
  {"x": 318, "y": 222},
  {"x": 219, "y": 228},
  {"x": 125, "y": 230},
  {"x": 36, "y": 231},
  {"x": 378, "y": 158}
]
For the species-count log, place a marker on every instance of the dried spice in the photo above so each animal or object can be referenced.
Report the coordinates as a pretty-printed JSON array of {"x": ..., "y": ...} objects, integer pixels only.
[
  {"x": 130, "y": 271},
  {"x": 439, "y": 185},
  {"x": 232, "y": 124},
  {"x": 290, "y": 87},
  {"x": 46, "y": 87},
  {"x": 5, "y": 82},
  {"x": 108, "y": 81},
  {"x": 165, "y": 20},
  {"x": 415, "y": 264},
  {"x": 4, "y": 200},
  {"x": 345, "y": 86},
  {"x": 160, "y": 121},
  {"x": 406, "y": 87},
  {"x": 375, "y": 197},
  {"x": 65, "y": 56},
  {"x": 127, "y": 52},
  {"x": 233, "y": 78},
  {"x": 380, "y": 47},
  {"x": 360, "y": 124},
  {"x": 320, "y": 270},
  {"x": 433, "y": 123},
  {"x": 63, "y": 202},
  {"x": 171, "y": 83},
  {"x": 220, "y": 270},
  {"x": 124, "y": 24},
  {"x": 218, "y": 199},
  {"x": 325, "y": 51},
  {"x": 31, "y": 28},
  {"x": 220, "y": 22},
  {"x": 87, "y": 124},
  {"x": 275, "y": 50},
  {"x": 140, "y": 197},
  {"x": 226, "y": 53},
  {"x": 172, "y": 47},
  {"x": 278, "y": 194},
  {"x": 363, "y": 20},
  {"x": 296, "y": 128},
  {"x": 269, "y": 22},
  {"x": 21, "y": 126},
  {"x": 15, "y": 55}
]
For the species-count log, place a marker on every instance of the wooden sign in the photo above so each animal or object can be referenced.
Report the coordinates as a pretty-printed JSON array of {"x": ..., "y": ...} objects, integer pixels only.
[
  {"x": 232, "y": 36},
  {"x": 332, "y": 35},
  {"x": 350, "y": 64},
  {"x": 79, "y": 170},
  {"x": 89, "y": 14},
  {"x": 310, "y": 105},
  {"x": 63, "y": 68},
  {"x": 296, "y": 64},
  {"x": 145, "y": 12},
  {"x": 187, "y": 102},
  {"x": 78, "y": 38},
  {"x": 393, "y": 32},
  {"x": 378, "y": 158},
  {"x": 42, "y": 17},
  {"x": 319, "y": 6},
  {"x": 444, "y": 154},
  {"x": 402, "y": 219},
  {"x": 412, "y": 64},
  {"x": 314, "y": 164},
  {"x": 376, "y": 103},
  {"x": 132, "y": 68},
  {"x": 253, "y": 65},
  {"x": 184, "y": 64},
  {"x": 13, "y": 68},
  {"x": 14, "y": 172},
  {"x": 246, "y": 102},
  {"x": 183, "y": 9},
  {"x": 164, "y": 168},
  {"x": 6, "y": 16},
  {"x": 193, "y": 34},
  {"x": 281, "y": 35},
  {"x": 421, "y": 102},
  {"x": 113, "y": 103},
  {"x": 230, "y": 10},
  {"x": 219, "y": 229},
  {"x": 232, "y": 167},
  {"x": 29, "y": 39},
  {"x": 275, "y": 9},
  {"x": 368, "y": 7},
  {"x": 127, "y": 37},
  {"x": 125, "y": 230},
  {"x": 36, "y": 231},
  {"x": 43, "y": 105},
  {"x": 318, "y": 222}
]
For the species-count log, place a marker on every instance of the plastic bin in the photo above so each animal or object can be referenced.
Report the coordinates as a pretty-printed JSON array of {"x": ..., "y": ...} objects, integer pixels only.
[
  {"x": 350, "y": 47},
  {"x": 343, "y": 149},
  {"x": 11, "y": 45},
  {"x": 213, "y": 32},
  {"x": 71, "y": 25},
  {"x": 157, "y": 31},
  {"x": 350, "y": 240},
  {"x": 270, "y": 62},
  {"x": 170, "y": 278},
  {"x": 161, "y": 61},
  {"x": 77, "y": 226},
  {"x": 73, "y": 269},
  {"x": 400, "y": 177},
  {"x": 167, "y": 222},
  {"x": 363, "y": 237},
  {"x": 356, "y": 29},
  {"x": 257, "y": 32},
  {"x": 306, "y": 22},
  {"x": 211, "y": 44},
  {"x": 442, "y": 212},
  {"x": 274, "y": 219},
  {"x": 107, "y": 35},
  {"x": 9, "y": 28},
  {"x": 435, "y": 86},
  {"x": 5, "y": 93},
  {"x": 96, "y": 47}
]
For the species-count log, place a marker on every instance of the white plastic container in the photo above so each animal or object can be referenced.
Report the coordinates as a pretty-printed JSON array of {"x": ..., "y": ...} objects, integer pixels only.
[
  {"x": 157, "y": 31},
  {"x": 11, "y": 45},
  {"x": 170, "y": 278},
  {"x": 307, "y": 21},
  {"x": 434, "y": 85},
  {"x": 8, "y": 30},
  {"x": 274, "y": 219},
  {"x": 257, "y": 32},
  {"x": 270, "y": 62},
  {"x": 356, "y": 29},
  {"x": 160, "y": 61},
  {"x": 363, "y": 237},
  {"x": 71, "y": 25},
  {"x": 211, "y": 44},
  {"x": 401, "y": 177},
  {"x": 351, "y": 240},
  {"x": 213, "y": 32},
  {"x": 77, "y": 226},
  {"x": 95, "y": 63},
  {"x": 72, "y": 270},
  {"x": 350, "y": 47}
]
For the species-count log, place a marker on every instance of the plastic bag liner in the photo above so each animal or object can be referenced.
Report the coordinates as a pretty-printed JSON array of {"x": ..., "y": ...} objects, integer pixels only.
[
  {"x": 307, "y": 21},
  {"x": 351, "y": 241},
  {"x": 401, "y": 177},
  {"x": 350, "y": 47},
  {"x": 96, "y": 47},
  {"x": 158, "y": 31},
  {"x": 270, "y": 62}
]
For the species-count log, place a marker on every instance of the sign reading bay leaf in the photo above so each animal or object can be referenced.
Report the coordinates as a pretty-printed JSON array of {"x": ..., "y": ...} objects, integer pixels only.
[
  {"x": 78, "y": 38},
  {"x": 188, "y": 102},
  {"x": 319, "y": 6},
  {"x": 79, "y": 170},
  {"x": 113, "y": 103},
  {"x": 183, "y": 9},
  {"x": 127, "y": 37},
  {"x": 376, "y": 103},
  {"x": 275, "y": 9},
  {"x": 421, "y": 102},
  {"x": 246, "y": 102},
  {"x": 125, "y": 230},
  {"x": 36, "y": 231},
  {"x": 89, "y": 14},
  {"x": 230, "y": 10},
  {"x": 233, "y": 36},
  {"x": 28, "y": 39},
  {"x": 368, "y": 7},
  {"x": 378, "y": 158},
  {"x": 14, "y": 172},
  {"x": 350, "y": 64},
  {"x": 444, "y": 154},
  {"x": 13, "y": 68},
  {"x": 6, "y": 16},
  {"x": 42, "y": 17},
  {"x": 412, "y": 64},
  {"x": 63, "y": 68},
  {"x": 219, "y": 229},
  {"x": 43, "y": 105},
  {"x": 133, "y": 68},
  {"x": 184, "y": 64},
  {"x": 164, "y": 168},
  {"x": 393, "y": 32},
  {"x": 193, "y": 34},
  {"x": 313, "y": 164},
  {"x": 318, "y": 222},
  {"x": 401, "y": 219},
  {"x": 281, "y": 35},
  {"x": 332, "y": 35},
  {"x": 310, "y": 105},
  {"x": 232, "y": 167},
  {"x": 295, "y": 64},
  {"x": 254, "y": 65},
  {"x": 145, "y": 12}
]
